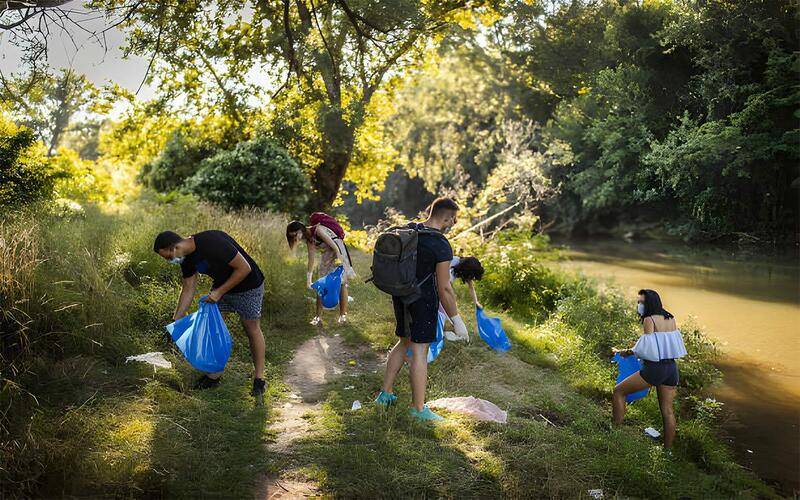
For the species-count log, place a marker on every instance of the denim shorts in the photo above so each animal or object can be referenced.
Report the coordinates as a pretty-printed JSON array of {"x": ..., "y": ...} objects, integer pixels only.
[
  {"x": 246, "y": 304},
  {"x": 664, "y": 372}
]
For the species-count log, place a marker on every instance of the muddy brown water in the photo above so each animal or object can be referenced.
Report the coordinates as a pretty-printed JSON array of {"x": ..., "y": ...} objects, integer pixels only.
[{"x": 752, "y": 309}]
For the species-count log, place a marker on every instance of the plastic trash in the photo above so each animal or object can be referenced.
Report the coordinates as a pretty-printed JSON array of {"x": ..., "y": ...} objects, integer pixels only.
[
  {"x": 154, "y": 358},
  {"x": 628, "y": 365},
  {"x": 491, "y": 331},
  {"x": 329, "y": 287},
  {"x": 652, "y": 432},
  {"x": 356, "y": 405},
  {"x": 436, "y": 346},
  {"x": 598, "y": 493},
  {"x": 479, "y": 409},
  {"x": 203, "y": 338}
]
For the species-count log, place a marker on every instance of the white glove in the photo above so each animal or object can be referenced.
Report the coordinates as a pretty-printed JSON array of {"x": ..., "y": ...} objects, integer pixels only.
[
  {"x": 460, "y": 327},
  {"x": 309, "y": 279}
]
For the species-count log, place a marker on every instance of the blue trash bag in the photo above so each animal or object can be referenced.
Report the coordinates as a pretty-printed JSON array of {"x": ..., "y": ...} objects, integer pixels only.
[
  {"x": 628, "y": 365},
  {"x": 203, "y": 338},
  {"x": 437, "y": 345},
  {"x": 491, "y": 331},
  {"x": 329, "y": 287}
]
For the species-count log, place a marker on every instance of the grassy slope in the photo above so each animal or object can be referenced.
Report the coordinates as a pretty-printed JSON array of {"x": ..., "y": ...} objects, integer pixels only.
[{"x": 109, "y": 428}]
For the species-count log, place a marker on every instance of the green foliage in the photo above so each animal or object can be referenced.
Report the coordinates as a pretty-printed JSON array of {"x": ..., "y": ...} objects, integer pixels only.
[
  {"x": 78, "y": 295},
  {"x": 25, "y": 173},
  {"x": 256, "y": 173}
]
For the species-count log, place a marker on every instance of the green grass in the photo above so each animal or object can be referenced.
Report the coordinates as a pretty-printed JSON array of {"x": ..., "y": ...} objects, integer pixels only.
[{"x": 100, "y": 427}]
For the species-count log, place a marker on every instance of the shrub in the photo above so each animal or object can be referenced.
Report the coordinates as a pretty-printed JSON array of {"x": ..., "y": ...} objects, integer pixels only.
[
  {"x": 178, "y": 161},
  {"x": 256, "y": 173},
  {"x": 25, "y": 173}
]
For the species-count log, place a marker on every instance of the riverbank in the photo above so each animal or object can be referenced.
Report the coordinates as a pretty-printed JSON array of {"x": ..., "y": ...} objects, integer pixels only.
[
  {"x": 86, "y": 423},
  {"x": 751, "y": 307}
]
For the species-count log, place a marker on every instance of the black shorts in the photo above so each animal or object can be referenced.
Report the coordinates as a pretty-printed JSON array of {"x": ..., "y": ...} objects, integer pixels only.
[
  {"x": 422, "y": 322},
  {"x": 664, "y": 372}
]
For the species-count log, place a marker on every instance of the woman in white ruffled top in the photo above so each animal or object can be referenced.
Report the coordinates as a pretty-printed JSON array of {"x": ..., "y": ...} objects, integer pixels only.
[{"x": 658, "y": 348}]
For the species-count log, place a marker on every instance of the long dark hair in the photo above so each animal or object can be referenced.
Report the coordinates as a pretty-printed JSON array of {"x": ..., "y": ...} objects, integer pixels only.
[
  {"x": 652, "y": 305},
  {"x": 292, "y": 228},
  {"x": 468, "y": 269}
]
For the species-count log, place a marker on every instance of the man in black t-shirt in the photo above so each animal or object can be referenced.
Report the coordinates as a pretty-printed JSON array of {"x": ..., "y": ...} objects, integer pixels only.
[
  {"x": 416, "y": 323},
  {"x": 238, "y": 286}
]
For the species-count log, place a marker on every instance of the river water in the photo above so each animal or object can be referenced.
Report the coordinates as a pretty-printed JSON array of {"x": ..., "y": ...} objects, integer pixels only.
[{"x": 752, "y": 309}]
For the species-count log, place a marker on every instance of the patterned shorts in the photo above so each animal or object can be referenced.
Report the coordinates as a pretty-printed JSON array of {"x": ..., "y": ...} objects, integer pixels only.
[{"x": 246, "y": 304}]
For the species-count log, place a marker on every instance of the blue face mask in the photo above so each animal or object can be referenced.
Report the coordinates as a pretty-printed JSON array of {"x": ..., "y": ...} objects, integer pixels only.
[{"x": 640, "y": 309}]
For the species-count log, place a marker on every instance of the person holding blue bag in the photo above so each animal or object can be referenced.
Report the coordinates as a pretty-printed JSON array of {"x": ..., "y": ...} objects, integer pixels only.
[
  {"x": 238, "y": 286},
  {"x": 412, "y": 264},
  {"x": 325, "y": 235},
  {"x": 658, "y": 347}
]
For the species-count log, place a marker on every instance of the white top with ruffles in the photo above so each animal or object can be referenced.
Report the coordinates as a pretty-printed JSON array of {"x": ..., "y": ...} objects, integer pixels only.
[{"x": 660, "y": 345}]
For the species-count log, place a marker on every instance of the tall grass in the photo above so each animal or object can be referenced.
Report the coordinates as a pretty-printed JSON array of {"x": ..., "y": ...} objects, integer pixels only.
[{"x": 78, "y": 294}]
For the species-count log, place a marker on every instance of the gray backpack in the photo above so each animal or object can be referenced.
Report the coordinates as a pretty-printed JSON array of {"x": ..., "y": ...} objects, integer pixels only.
[{"x": 394, "y": 262}]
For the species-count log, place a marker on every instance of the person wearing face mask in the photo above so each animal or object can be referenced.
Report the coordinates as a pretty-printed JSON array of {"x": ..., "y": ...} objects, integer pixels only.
[
  {"x": 416, "y": 323},
  {"x": 658, "y": 348},
  {"x": 237, "y": 286}
]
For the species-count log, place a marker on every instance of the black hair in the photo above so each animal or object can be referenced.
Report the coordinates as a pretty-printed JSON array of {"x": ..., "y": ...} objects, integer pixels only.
[
  {"x": 291, "y": 229},
  {"x": 443, "y": 204},
  {"x": 166, "y": 239},
  {"x": 652, "y": 305},
  {"x": 468, "y": 269}
]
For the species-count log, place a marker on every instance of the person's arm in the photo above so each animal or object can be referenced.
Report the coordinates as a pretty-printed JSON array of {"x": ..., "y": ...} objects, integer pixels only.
[
  {"x": 448, "y": 298},
  {"x": 188, "y": 287},
  {"x": 323, "y": 235},
  {"x": 310, "y": 271},
  {"x": 471, "y": 286},
  {"x": 241, "y": 268},
  {"x": 648, "y": 327}
]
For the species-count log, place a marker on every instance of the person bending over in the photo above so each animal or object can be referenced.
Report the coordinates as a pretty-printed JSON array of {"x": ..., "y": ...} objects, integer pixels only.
[
  {"x": 238, "y": 286},
  {"x": 323, "y": 235}
]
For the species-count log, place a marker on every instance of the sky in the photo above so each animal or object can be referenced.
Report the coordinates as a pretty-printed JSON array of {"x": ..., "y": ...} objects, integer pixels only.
[{"x": 86, "y": 55}]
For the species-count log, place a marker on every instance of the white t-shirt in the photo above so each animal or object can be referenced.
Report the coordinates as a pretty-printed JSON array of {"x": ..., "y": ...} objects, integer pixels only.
[{"x": 453, "y": 263}]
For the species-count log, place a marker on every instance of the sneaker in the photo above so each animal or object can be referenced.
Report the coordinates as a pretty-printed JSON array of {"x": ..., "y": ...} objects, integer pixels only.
[
  {"x": 206, "y": 382},
  {"x": 425, "y": 415},
  {"x": 386, "y": 398},
  {"x": 259, "y": 387},
  {"x": 342, "y": 319},
  {"x": 316, "y": 321}
]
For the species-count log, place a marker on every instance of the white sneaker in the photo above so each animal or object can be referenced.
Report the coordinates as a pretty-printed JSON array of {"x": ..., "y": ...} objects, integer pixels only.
[
  {"x": 316, "y": 321},
  {"x": 342, "y": 319}
]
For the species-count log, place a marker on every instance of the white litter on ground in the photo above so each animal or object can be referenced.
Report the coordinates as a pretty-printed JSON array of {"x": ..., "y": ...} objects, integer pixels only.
[
  {"x": 349, "y": 387},
  {"x": 356, "y": 405},
  {"x": 652, "y": 432},
  {"x": 154, "y": 358},
  {"x": 596, "y": 493},
  {"x": 473, "y": 407}
]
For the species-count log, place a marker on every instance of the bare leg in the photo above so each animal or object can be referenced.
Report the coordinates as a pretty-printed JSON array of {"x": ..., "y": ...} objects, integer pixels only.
[
  {"x": 418, "y": 373},
  {"x": 319, "y": 307},
  {"x": 666, "y": 393},
  {"x": 397, "y": 356},
  {"x": 634, "y": 383},
  {"x": 343, "y": 300},
  {"x": 257, "y": 348}
]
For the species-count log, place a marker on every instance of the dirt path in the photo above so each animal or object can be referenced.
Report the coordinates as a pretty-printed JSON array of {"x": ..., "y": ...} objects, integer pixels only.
[{"x": 316, "y": 363}]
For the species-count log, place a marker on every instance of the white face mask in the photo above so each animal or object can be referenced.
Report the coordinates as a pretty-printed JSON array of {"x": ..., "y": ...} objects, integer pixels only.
[
  {"x": 640, "y": 309},
  {"x": 177, "y": 260}
]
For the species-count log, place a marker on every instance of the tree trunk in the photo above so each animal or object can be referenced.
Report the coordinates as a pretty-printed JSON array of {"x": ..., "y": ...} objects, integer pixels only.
[{"x": 338, "y": 137}]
